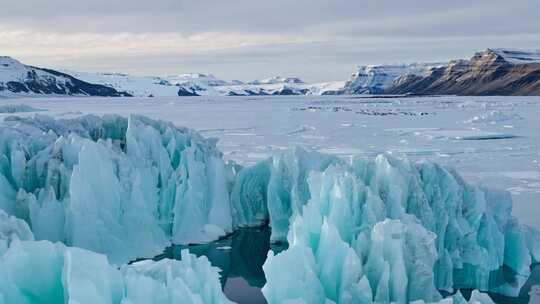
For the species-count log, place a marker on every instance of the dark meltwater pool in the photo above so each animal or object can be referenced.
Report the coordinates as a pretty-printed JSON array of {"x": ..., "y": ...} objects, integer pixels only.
[{"x": 241, "y": 255}]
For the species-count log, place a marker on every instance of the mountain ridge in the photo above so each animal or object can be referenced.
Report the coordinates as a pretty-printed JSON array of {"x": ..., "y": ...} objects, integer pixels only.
[
  {"x": 494, "y": 71},
  {"x": 20, "y": 79},
  {"x": 490, "y": 72}
]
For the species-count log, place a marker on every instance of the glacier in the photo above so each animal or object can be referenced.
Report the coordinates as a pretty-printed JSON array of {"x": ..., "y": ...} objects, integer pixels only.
[{"x": 359, "y": 230}]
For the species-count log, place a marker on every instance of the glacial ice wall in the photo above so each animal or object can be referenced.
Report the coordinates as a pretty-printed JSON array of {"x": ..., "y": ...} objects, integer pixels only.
[
  {"x": 388, "y": 230},
  {"x": 33, "y": 272},
  {"x": 123, "y": 187}
]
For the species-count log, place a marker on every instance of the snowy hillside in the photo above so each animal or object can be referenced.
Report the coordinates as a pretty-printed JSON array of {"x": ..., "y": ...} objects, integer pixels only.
[
  {"x": 374, "y": 79},
  {"x": 207, "y": 85},
  {"x": 139, "y": 86},
  {"x": 201, "y": 79},
  {"x": 277, "y": 79},
  {"x": 17, "y": 79}
]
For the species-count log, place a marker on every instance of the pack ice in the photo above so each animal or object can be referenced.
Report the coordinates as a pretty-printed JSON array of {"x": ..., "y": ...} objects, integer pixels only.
[{"x": 359, "y": 231}]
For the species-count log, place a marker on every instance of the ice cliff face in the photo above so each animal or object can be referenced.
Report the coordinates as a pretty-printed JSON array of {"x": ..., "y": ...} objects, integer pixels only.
[{"x": 123, "y": 187}]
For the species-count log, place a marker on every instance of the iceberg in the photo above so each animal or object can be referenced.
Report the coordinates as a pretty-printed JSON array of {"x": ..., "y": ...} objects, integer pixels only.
[
  {"x": 45, "y": 272},
  {"x": 388, "y": 230},
  {"x": 123, "y": 187}
]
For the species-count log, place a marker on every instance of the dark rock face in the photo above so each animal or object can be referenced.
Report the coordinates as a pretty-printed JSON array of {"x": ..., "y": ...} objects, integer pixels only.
[
  {"x": 76, "y": 87},
  {"x": 288, "y": 91},
  {"x": 487, "y": 73},
  {"x": 185, "y": 92},
  {"x": 33, "y": 80}
]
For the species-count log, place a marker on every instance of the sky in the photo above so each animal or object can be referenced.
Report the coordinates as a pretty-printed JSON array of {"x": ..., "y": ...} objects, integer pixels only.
[{"x": 315, "y": 40}]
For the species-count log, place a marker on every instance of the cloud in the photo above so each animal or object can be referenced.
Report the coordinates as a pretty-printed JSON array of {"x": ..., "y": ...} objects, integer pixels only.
[{"x": 314, "y": 39}]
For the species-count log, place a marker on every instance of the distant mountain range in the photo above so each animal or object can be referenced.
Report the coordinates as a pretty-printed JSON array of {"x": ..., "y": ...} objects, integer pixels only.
[
  {"x": 491, "y": 72},
  {"x": 205, "y": 85}
]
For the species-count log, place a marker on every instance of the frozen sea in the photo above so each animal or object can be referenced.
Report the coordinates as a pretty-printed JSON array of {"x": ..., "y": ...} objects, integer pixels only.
[{"x": 494, "y": 141}]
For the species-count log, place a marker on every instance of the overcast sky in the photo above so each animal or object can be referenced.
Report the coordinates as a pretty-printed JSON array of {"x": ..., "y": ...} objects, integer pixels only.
[{"x": 247, "y": 39}]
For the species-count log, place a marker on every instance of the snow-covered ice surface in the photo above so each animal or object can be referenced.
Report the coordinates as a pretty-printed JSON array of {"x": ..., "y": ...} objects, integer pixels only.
[{"x": 250, "y": 129}]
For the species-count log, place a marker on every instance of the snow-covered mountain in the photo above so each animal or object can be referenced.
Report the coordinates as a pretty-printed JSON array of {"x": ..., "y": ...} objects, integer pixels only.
[
  {"x": 17, "y": 79},
  {"x": 490, "y": 72},
  {"x": 201, "y": 79},
  {"x": 207, "y": 85},
  {"x": 374, "y": 79},
  {"x": 276, "y": 80},
  {"x": 493, "y": 71}
]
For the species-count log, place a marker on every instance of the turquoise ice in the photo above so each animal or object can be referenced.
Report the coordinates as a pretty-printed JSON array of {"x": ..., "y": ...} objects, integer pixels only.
[
  {"x": 359, "y": 230},
  {"x": 43, "y": 272},
  {"x": 388, "y": 230},
  {"x": 123, "y": 187}
]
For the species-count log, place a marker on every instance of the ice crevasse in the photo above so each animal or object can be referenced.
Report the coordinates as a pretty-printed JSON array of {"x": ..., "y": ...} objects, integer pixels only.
[{"x": 359, "y": 231}]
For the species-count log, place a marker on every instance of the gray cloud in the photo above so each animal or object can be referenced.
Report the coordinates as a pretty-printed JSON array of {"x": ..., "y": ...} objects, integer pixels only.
[{"x": 316, "y": 39}]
